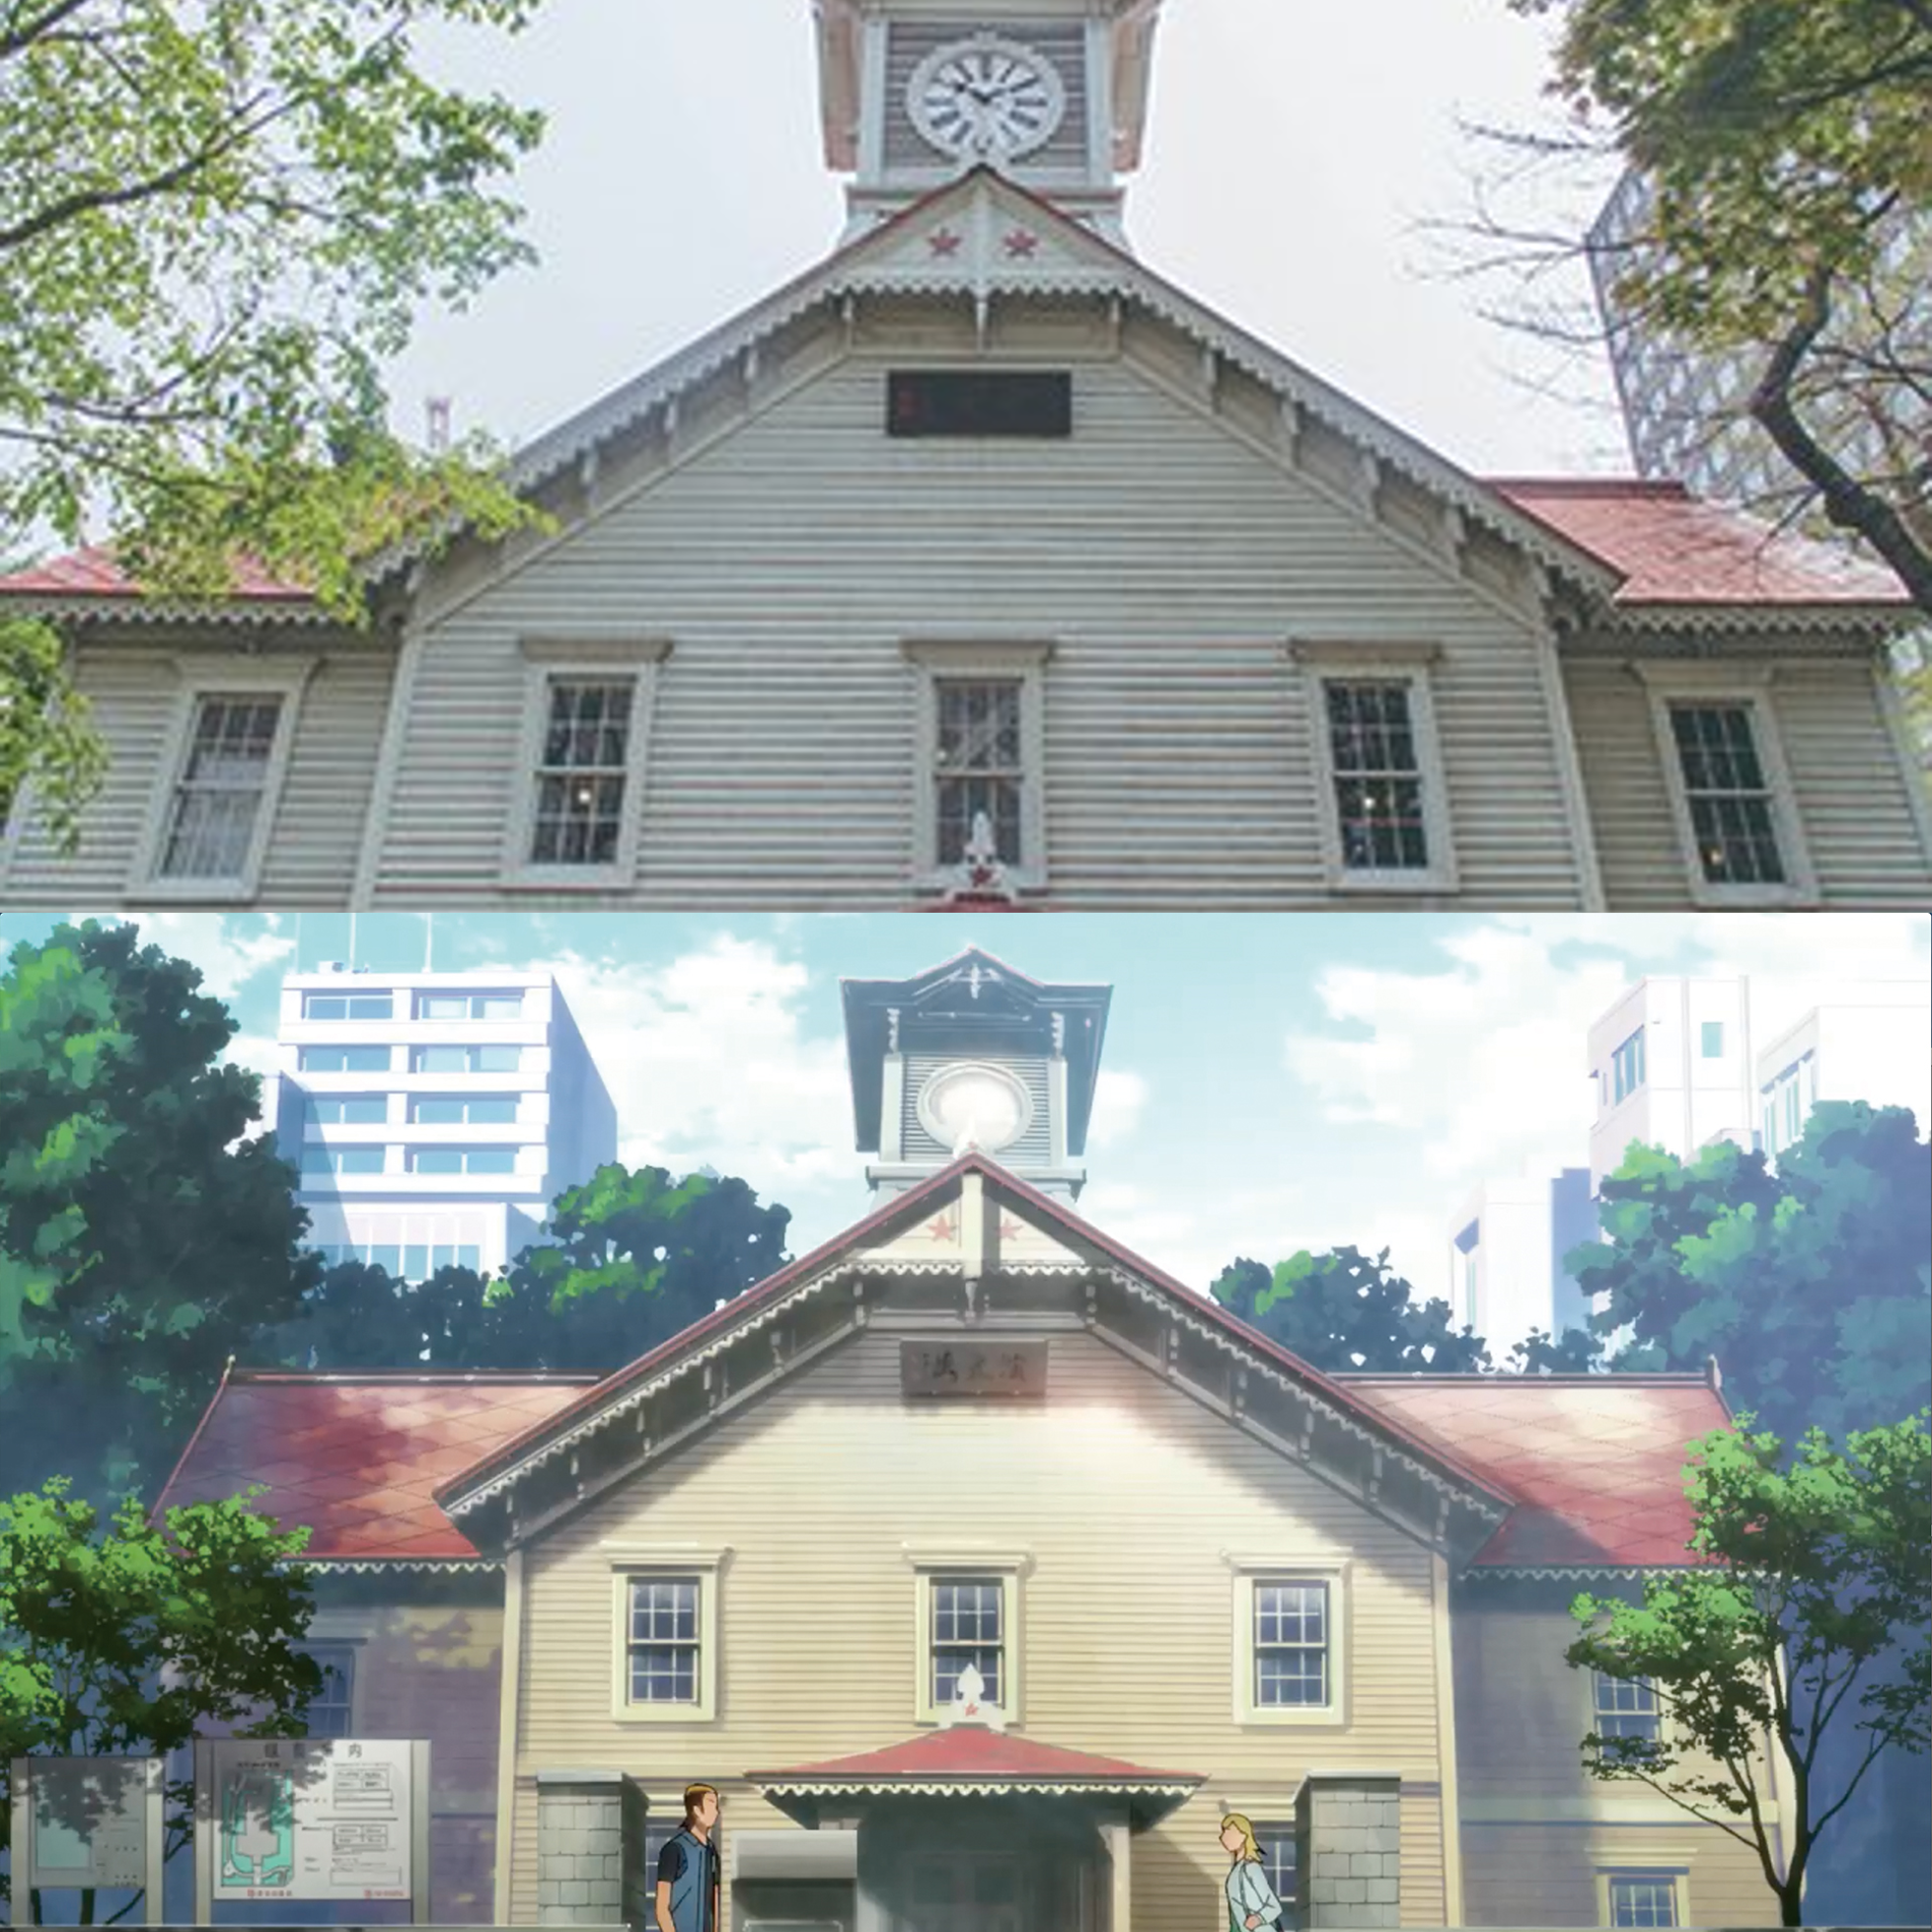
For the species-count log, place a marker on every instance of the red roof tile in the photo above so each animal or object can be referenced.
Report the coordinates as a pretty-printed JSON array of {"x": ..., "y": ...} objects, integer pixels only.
[
  {"x": 1673, "y": 548},
  {"x": 1598, "y": 1462},
  {"x": 357, "y": 1458},
  {"x": 974, "y": 1754},
  {"x": 92, "y": 572}
]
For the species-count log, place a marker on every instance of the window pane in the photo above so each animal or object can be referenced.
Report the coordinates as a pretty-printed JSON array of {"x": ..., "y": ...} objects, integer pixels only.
[
  {"x": 1626, "y": 1708},
  {"x": 1713, "y": 1039},
  {"x": 492, "y": 1111},
  {"x": 361, "y": 1160},
  {"x": 496, "y": 1060},
  {"x": 1729, "y": 799},
  {"x": 436, "y": 1112},
  {"x": 388, "y": 1259},
  {"x": 1276, "y": 1841},
  {"x": 468, "y": 1257},
  {"x": 580, "y": 781},
  {"x": 490, "y": 1161},
  {"x": 442, "y": 1005},
  {"x": 440, "y": 1060},
  {"x": 212, "y": 815},
  {"x": 415, "y": 1264},
  {"x": 497, "y": 1006},
  {"x": 961, "y": 800},
  {"x": 979, "y": 725},
  {"x": 1643, "y": 1898},
  {"x": 437, "y": 1161}
]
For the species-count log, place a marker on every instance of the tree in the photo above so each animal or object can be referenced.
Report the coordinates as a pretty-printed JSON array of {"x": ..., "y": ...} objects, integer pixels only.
[
  {"x": 1785, "y": 151},
  {"x": 140, "y": 1238},
  {"x": 216, "y": 221},
  {"x": 1812, "y": 1285},
  {"x": 1814, "y": 1572},
  {"x": 129, "y": 1642},
  {"x": 638, "y": 1258}
]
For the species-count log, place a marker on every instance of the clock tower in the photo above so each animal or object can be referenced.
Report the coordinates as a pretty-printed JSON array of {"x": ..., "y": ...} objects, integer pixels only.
[
  {"x": 1051, "y": 93},
  {"x": 972, "y": 1056}
]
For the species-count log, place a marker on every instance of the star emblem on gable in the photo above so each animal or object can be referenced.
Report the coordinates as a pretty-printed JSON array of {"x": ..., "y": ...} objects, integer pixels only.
[
  {"x": 940, "y": 1228},
  {"x": 1021, "y": 246},
  {"x": 944, "y": 242}
]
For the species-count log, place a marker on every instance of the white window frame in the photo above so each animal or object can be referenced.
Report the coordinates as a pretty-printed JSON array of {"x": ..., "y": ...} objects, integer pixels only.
[
  {"x": 629, "y": 1562},
  {"x": 1026, "y": 662},
  {"x": 930, "y": 1565},
  {"x": 1673, "y": 1865},
  {"x": 199, "y": 680},
  {"x": 1747, "y": 687},
  {"x": 1322, "y": 663},
  {"x": 352, "y": 1648},
  {"x": 1665, "y": 1734},
  {"x": 1251, "y": 1569},
  {"x": 587, "y": 660}
]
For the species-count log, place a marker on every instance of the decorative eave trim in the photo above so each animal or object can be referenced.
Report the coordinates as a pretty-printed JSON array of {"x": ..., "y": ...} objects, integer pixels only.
[
  {"x": 1579, "y": 1572},
  {"x": 119, "y": 608},
  {"x": 382, "y": 1565},
  {"x": 1881, "y": 620},
  {"x": 1445, "y": 1486},
  {"x": 976, "y": 1788}
]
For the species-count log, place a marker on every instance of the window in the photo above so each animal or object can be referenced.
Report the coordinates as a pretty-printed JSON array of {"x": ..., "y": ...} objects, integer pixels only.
[
  {"x": 216, "y": 809},
  {"x": 968, "y": 1628},
  {"x": 1770, "y": 1126},
  {"x": 666, "y": 1627},
  {"x": 1713, "y": 1039},
  {"x": 1625, "y": 1707},
  {"x": 1730, "y": 792},
  {"x": 1627, "y": 1067},
  {"x": 1788, "y": 1087},
  {"x": 347, "y": 1110},
  {"x": 341, "y": 1160},
  {"x": 466, "y": 1059},
  {"x": 331, "y": 1712},
  {"x": 479, "y": 1110},
  {"x": 1724, "y": 788},
  {"x": 979, "y": 403},
  {"x": 1642, "y": 1898},
  {"x": 468, "y": 1006},
  {"x": 1378, "y": 767},
  {"x": 1276, "y": 1839},
  {"x": 347, "y": 1006},
  {"x": 343, "y": 1059},
  {"x": 982, "y": 751},
  {"x": 1290, "y": 1663},
  {"x": 462, "y": 1161},
  {"x": 417, "y": 1262}
]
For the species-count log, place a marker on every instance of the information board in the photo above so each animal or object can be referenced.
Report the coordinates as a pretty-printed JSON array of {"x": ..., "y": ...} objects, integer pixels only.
[
  {"x": 90, "y": 1822},
  {"x": 314, "y": 1818}
]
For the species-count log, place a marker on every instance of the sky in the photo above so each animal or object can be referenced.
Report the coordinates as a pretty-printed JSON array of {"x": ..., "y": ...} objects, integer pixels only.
[
  {"x": 1295, "y": 155},
  {"x": 1269, "y": 1082}
]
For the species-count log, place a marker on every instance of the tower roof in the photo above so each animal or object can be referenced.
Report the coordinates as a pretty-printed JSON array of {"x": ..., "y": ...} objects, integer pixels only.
[{"x": 984, "y": 993}]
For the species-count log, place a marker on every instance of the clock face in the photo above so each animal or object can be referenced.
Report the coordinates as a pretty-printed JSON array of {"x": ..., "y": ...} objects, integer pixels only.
[
  {"x": 986, "y": 99},
  {"x": 966, "y": 1106}
]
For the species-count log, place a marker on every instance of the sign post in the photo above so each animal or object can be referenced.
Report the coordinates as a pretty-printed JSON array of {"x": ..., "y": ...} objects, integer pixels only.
[
  {"x": 90, "y": 1824},
  {"x": 312, "y": 1819}
]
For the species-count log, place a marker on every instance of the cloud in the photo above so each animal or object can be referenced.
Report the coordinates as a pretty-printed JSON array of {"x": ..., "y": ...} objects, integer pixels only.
[
  {"x": 1119, "y": 1098},
  {"x": 708, "y": 1063},
  {"x": 230, "y": 950}
]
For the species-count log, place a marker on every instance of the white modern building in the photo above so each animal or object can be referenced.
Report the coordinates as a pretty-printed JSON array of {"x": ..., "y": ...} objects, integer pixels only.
[
  {"x": 1506, "y": 1256},
  {"x": 434, "y": 1116},
  {"x": 1673, "y": 1065},
  {"x": 1873, "y": 1043}
]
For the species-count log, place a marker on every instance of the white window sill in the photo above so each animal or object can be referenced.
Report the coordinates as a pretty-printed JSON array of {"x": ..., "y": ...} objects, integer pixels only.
[
  {"x": 226, "y": 892},
  {"x": 1263, "y": 1720},
  {"x": 1420, "y": 880},
  {"x": 569, "y": 878},
  {"x": 1788, "y": 898}
]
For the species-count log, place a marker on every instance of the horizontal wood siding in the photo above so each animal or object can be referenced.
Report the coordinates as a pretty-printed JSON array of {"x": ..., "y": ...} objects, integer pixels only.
[
  {"x": 1125, "y": 1493},
  {"x": 1853, "y": 795},
  {"x": 1167, "y": 559},
  {"x": 1545, "y": 1875},
  {"x": 133, "y": 688}
]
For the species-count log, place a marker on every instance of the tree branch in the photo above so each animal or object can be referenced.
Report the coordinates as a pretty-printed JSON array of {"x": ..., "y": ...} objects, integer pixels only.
[{"x": 17, "y": 37}]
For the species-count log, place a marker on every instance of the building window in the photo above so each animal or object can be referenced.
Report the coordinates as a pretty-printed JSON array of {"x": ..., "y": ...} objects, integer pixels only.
[
  {"x": 332, "y": 1713},
  {"x": 343, "y": 1160},
  {"x": 968, "y": 1627},
  {"x": 1377, "y": 766},
  {"x": 217, "y": 811},
  {"x": 1713, "y": 1039},
  {"x": 347, "y": 1110},
  {"x": 347, "y": 1006},
  {"x": 1729, "y": 798},
  {"x": 979, "y": 403},
  {"x": 1376, "y": 776},
  {"x": 413, "y": 1263},
  {"x": 581, "y": 771},
  {"x": 466, "y": 1059},
  {"x": 1276, "y": 1841},
  {"x": 982, "y": 753},
  {"x": 1625, "y": 1707},
  {"x": 666, "y": 1615},
  {"x": 1642, "y": 1898},
  {"x": 1627, "y": 1067},
  {"x": 462, "y": 1161},
  {"x": 1793, "y": 1110},
  {"x": 1770, "y": 1124},
  {"x": 468, "y": 1006},
  {"x": 343, "y": 1059},
  {"x": 1288, "y": 1654},
  {"x": 459, "y": 1111}
]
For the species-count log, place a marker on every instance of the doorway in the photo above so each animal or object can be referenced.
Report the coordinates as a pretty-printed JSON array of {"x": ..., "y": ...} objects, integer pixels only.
[{"x": 964, "y": 1892}]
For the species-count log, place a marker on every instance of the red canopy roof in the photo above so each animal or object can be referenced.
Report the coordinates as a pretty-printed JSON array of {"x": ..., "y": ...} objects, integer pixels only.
[
  {"x": 357, "y": 1458},
  {"x": 1674, "y": 549},
  {"x": 972, "y": 1757},
  {"x": 91, "y": 571},
  {"x": 1595, "y": 1463}
]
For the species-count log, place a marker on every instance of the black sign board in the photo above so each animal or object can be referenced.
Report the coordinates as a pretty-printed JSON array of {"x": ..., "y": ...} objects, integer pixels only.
[
  {"x": 978, "y": 403},
  {"x": 945, "y": 1366}
]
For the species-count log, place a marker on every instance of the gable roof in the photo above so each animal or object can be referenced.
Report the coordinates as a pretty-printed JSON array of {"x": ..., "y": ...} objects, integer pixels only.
[
  {"x": 597, "y": 1408},
  {"x": 91, "y": 581},
  {"x": 1674, "y": 550},
  {"x": 974, "y": 1760},
  {"x": 357, "y": 1457},
  {"x": 1595, "y": 1463}
]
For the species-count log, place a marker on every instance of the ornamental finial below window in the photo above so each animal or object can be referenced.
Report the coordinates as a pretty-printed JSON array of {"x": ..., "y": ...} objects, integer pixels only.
[
  {"x": 981, "y": 874},
  {"x": 969, "y": 1704}
]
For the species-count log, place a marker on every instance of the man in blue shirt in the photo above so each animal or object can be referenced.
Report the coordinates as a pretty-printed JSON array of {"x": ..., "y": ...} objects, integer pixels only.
[{"x": 687, "y": 1867}]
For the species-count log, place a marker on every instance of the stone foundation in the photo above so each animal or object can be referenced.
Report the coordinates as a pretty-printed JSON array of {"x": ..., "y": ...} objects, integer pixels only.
[
  {"x": 590, "y": 1844},
  {"x": 1348, "y": 1844}
]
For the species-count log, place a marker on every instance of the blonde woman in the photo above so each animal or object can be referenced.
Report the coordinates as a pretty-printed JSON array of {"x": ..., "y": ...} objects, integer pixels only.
[{"x": 1251, "y": 1901}]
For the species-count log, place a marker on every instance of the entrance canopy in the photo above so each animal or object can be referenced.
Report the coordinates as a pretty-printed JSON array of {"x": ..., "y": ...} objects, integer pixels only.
[{"x": 969, "y": 1761}]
